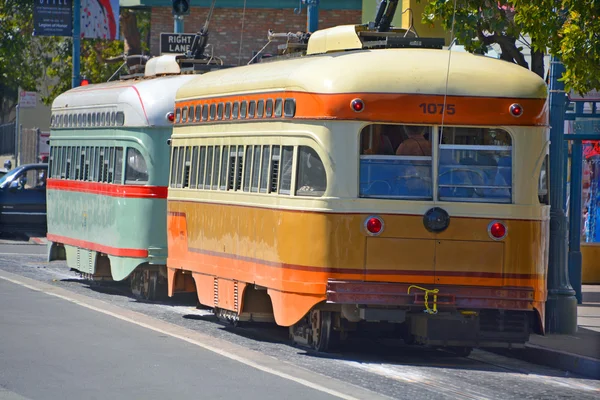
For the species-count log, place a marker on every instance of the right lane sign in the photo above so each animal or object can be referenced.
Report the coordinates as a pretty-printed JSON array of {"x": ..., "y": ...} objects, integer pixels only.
[{"x": 179, "y": 43}]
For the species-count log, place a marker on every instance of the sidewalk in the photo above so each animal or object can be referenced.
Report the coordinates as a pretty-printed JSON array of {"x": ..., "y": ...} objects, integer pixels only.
[{"x": 578, "y": 353}]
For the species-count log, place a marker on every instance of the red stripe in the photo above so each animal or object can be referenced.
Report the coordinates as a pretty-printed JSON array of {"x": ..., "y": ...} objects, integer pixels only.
[
  {"x": 109, "y": 189},
  {"x": 113, "y": 251}
]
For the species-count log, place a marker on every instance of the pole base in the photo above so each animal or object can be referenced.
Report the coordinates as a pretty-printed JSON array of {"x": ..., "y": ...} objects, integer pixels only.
[{"x": 561, "y": 313}]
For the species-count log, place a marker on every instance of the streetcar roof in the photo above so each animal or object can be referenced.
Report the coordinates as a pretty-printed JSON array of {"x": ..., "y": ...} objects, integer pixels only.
[
  {"x": 145, "y": 102},
  {"x": 411, "y": 71}
]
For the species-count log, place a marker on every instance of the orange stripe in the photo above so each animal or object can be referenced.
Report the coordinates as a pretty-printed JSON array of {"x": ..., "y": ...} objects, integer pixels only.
[
  {"x": 113, "y": 251},
  {"x": 109, "y": 189},
  {"x": 396, "y": 108}
]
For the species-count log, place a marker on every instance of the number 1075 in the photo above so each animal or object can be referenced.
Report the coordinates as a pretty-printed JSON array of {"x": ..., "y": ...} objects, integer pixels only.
[{"x": 433, "y": 108}]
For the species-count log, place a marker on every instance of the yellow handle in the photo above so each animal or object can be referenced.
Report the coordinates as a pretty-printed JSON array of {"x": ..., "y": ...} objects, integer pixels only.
[{"x": 427, "y": 291}]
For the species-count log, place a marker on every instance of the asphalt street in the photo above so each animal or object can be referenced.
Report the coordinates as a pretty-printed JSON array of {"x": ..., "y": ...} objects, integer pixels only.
[{"x": 64, "y": 337}]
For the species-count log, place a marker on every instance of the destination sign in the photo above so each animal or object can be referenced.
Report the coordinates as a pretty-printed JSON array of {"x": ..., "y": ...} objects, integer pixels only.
[{"x": 176, "y": 42}]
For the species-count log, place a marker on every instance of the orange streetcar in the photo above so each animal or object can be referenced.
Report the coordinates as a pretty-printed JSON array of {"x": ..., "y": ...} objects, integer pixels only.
[{"x": 365, "y": 183}]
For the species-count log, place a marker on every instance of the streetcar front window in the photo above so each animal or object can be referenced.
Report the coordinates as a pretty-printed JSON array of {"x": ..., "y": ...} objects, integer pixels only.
[
  {"x": 475, "y": 165},
  {"x": 136, "y": 171},
  {"x": 395, "y": 162}
]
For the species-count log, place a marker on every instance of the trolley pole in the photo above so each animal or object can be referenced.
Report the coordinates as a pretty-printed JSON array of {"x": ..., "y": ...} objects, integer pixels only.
[
  {"x": 561, "y": 305},
  {"x": 75, "y": 80},
  {"x": 312, "y": 15}
]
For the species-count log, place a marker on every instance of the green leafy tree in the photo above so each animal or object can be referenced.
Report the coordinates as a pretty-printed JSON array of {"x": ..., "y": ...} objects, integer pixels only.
[
  {"x": 23, "y": 58},
  {"x": 44, "y": 64},
  {"x": 100, "y": 59},
  {"x": 568, "y": 29},
  {"x": 479, "y": 24}
]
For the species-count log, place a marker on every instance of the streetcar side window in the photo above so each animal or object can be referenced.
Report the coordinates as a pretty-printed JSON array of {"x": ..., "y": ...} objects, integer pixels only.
[
  {"x": 543, "y": 195},
  {"x": 275, "y": 160},
  {"x": 209, "y": 167},
  {"x": 118, "y": 165},
  {"x": 311, "y": 177},
  {"x": 136, "y": 170},
  {"x": 216, "y": 164},
  {"x": 179, "y": 176},
  {"x": 285, "y": 176},
  {"x": 224, "y": 159},
  {"x": 232, "y": 169},
  {"x": 202, "y": 167},
  {"x": 255, "y": 169},
  {"x": 395, "y": 162},
  {"x": 475, "y": 165},
  {"x": 239, "y": 168},
  {"x": 194, "y": 168},
  {"x": 264, "y": 173},
  {"x": 174, "y": 154},
  {"x": 111, "y": 166},
  {"x": 186, "y": 168},
  {"x": 248, "y": 169}
]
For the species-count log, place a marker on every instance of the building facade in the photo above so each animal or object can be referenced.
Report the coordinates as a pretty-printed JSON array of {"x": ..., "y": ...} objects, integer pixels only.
[{"x": 239, "y": 27}]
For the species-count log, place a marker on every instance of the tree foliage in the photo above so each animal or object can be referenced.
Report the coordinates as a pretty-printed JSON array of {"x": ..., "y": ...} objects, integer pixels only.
[
  {"x": 480, "y": 23},
  {"x": 567, "y": 29},
  {"x": 23, "y": 58},
  {"x": 570, "y": 29},
  {"x": 44, "y": 64}
]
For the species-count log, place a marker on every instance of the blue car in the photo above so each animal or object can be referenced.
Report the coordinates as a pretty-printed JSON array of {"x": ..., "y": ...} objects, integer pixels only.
[{"x": 23, "y": 199}]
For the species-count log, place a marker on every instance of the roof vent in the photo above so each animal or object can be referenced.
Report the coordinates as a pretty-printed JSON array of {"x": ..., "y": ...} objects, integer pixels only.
[{"x": 163, "y": 65}]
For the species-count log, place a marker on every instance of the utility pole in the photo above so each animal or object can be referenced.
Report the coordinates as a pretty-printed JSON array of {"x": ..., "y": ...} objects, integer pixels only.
[
  {"x": 561, "y": 305},
  {"x": 17, "y": 133},
  {"x": 179, "y": 9},
  {"x": 312, "y": 15},
  {"x": 76, "y": 42}
]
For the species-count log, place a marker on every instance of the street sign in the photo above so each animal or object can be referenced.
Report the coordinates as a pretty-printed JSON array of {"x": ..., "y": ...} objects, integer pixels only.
[
  {"x": 27, "y": 99},
  {"x": 592, "y": 95},
  {"x": 52, "y": 18},
  {"x": 176, "y": 42}
]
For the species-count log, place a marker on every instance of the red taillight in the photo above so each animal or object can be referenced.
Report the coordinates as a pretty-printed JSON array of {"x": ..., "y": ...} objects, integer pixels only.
[
  {"x": 497, "y": 230},
  {"x": 516, "y": 110},
  {"x": 357, "y": 105},
  {"x": 171, "y": 117},
  {"x": 374, "y": 226}
]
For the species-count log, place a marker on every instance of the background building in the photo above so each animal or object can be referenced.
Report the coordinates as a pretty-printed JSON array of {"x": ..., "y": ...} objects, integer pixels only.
[{"x": 239, "y": 27}]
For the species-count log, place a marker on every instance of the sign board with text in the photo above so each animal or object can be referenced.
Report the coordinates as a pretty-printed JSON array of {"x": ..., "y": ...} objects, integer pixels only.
[
  {"x": 27, "y": 99},
  {"x": 592, "y": 95},
  {"x": 52, "y": 18},
  {"x": 178, "y": 43}
]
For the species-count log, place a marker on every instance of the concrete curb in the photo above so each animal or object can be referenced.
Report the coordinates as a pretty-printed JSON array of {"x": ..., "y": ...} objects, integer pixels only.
[
  {"x": 38, "y": 240},
  {"x": 577, "y": 364}
]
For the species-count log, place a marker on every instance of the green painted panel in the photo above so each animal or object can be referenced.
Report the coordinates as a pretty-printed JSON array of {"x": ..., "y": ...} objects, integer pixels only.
[
  {"x": 81, "y": 259},
  {"x": 324, "y": 4},
  {"x": 121, "y": 267},
  {"x": 109, "y": 221}
]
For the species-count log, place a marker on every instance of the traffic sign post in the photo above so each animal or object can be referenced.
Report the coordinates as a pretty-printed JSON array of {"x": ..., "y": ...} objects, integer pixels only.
[{"x": 176, "y": 43}]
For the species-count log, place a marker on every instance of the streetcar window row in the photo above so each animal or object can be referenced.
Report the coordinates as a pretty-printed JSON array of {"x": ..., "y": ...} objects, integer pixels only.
[
  {"x": 250, "y": 168},
  {"x": 102, "y": 164},
  {"x": 253, "y": 109},
  {"x": 87, "y": 120}
]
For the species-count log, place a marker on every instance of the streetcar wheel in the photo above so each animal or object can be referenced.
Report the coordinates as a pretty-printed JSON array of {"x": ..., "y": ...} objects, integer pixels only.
[{"x": 321, "y": 329}]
